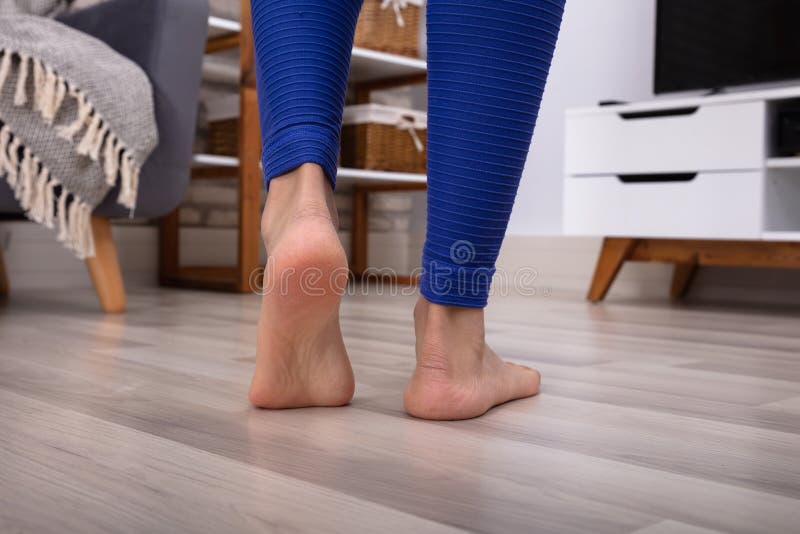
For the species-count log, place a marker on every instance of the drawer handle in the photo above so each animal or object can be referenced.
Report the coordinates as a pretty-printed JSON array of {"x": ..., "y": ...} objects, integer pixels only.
[
  {"x": 649, "y": 178},
  {"x": 675, "y": 112}
]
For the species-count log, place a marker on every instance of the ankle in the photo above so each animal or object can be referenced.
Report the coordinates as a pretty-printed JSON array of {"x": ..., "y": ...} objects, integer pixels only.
[
  {"x": 467, "y": 323},
  {"x": 302, "y": 192},
  {"x": 454, "y": 339},
  {"x": 307, "y": 178}
]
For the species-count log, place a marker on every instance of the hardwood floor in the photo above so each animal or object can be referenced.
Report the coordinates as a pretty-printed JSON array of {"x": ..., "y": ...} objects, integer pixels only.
[{"x": 654, "y": 418}]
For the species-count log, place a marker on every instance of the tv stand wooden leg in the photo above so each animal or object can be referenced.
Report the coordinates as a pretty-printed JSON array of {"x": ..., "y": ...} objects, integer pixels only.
[
  {"x": 104, "y": 268},
  {"x": 613, "y": 254},
  {"x": 682, "y": 276}
]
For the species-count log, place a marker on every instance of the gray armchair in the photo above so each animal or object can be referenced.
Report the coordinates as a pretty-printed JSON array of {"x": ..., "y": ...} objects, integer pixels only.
[{"x": 166, "y": 38}]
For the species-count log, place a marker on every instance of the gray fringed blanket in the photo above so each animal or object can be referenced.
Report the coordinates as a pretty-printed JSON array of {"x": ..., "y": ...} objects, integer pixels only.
[{"x": 75, "y": 117}]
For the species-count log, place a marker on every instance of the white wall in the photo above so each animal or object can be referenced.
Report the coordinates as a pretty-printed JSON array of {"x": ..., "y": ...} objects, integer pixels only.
[{"x": 604, "y": 52}]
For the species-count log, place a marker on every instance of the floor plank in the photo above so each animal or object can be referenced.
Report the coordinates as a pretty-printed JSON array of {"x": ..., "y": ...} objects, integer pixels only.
[
  {"x": 102, "y": 477},
  {"x": 653, "y": 418}
]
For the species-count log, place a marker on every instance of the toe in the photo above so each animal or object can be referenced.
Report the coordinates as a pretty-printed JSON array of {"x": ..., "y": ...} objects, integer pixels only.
[{"x": 524, "y": 381}]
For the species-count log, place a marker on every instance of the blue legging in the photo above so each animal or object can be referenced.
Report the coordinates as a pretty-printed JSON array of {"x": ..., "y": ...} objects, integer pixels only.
[{"x": 487, "y": 66}]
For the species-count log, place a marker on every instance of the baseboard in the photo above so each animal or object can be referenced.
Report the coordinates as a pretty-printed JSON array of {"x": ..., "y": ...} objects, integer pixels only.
[
  {"x": 563, "y": 266},
  {"x": 35, "y": 259},
  {"x": 217, "y": 247}
]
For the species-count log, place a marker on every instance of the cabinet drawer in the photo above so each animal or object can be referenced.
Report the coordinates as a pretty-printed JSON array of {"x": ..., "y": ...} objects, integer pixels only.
[
  {"x": 714, "y": 137},
  {"x": 705, "y": 205}
]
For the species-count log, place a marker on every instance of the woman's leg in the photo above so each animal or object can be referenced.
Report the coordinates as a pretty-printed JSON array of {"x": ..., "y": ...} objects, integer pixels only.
[
  {"x": 488, "y": 63},
  {"x": 303, "y": 52}
]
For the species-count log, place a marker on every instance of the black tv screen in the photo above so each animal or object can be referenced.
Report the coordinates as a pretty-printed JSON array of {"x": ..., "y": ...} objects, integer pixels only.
[{"x": 712, "y": 44}]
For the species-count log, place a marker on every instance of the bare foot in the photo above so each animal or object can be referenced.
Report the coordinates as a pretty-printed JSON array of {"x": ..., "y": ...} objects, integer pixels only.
[
  {"x": 301, "y": 358},
  {"x": 458, "y": 376}
]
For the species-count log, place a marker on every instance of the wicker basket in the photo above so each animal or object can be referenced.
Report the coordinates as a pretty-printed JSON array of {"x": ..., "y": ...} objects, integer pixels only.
[
  {"x": 383, "y": 29},
  {"x": 384, "y": 138},
  {"x": 223, "y": 137}
]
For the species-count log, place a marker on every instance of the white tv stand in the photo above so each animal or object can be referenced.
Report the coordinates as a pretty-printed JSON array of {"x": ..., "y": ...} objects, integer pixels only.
[{"x": 694, "y": 181}]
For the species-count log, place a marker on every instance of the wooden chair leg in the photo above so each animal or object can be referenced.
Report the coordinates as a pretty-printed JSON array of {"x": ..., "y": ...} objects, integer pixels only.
[
  {"x": 613, "y": 254},
  {"x": 3, "y": 277},
  {"x": 104, "y": 268},
  {"x": 682, "y": 276}
]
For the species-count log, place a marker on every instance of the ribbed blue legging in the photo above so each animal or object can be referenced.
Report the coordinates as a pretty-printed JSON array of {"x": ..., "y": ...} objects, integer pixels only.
[{"x": 487, "y": 65}]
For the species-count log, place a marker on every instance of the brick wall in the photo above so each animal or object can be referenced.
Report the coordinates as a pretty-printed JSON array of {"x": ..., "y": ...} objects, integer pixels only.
[{"x": 395, "y": 229}]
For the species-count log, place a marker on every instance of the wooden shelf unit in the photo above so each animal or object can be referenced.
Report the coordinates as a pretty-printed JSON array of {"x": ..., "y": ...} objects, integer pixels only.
[
  {"x": 235, "y": 278},
  {"x": 369, "y": 70}
]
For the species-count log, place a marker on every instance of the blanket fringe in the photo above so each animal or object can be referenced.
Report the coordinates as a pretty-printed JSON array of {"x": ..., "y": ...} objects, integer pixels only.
[
  {"x": 38, "y": 83},
  {"x": 49, "y": 91},
  {"x": 98, "y": 142},
  {"x": 49, "y": 205},
  {"x": 12, "y": 159},
  {"x": 30, "y": 179},
  {"x": 88, "y": 141},
  {"x": 34, "y": 187},
  {"x": 5, "y": 138},
  {"x": 21, "y": 94},
  {"x": 39, "y": 202},
  {"x": 84, "y": 110},
  {"x": 24, "y": 181},
  {"x": 5, "y": 69}
]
